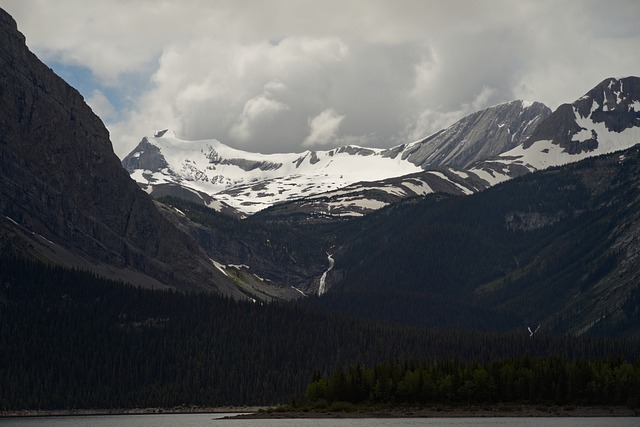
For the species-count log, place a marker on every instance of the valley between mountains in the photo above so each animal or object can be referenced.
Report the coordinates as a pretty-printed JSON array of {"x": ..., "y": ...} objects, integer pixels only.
[
  {"x": 191, "y": 273},
  {"x": 410, "y": 229},
  {"x": 513, "y": 215}
]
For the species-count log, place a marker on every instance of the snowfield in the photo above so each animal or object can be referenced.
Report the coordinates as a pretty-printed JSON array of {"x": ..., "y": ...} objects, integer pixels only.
[{"x": 252, "y": 181}]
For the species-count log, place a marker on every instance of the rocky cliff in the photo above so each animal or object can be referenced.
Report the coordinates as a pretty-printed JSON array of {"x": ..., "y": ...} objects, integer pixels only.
[{"x": 61, "y": 182}]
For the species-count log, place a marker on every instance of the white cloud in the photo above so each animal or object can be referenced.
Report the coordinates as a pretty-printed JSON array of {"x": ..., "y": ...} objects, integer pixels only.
[
  {"x": 323, "y": 128},
  {"x": 101, "y": 105},
  {"x": 432, "y": 120},
  {"x": 259, "y": 109},
  {"x": 395, "y": 70},
  {"x": 258, "y": 94},
  {"x": 274, "y": 86}
]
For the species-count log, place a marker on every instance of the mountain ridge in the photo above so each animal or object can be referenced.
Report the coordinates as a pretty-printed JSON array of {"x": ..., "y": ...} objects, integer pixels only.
[
  {"x": 480, "y": 150},
  {"x": 479, "y": 135}
]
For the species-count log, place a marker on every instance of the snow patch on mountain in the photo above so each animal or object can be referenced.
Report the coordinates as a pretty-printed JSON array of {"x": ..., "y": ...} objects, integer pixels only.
[{"x": 420, "y": 188}]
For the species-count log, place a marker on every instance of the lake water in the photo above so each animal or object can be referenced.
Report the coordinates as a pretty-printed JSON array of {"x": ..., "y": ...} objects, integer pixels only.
[{"x": 214, "y": 420}]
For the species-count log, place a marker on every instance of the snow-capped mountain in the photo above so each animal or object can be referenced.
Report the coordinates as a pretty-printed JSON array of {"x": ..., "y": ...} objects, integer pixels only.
[
  {"x": 250, "y": 182},
  {"x": 606, "y": 119},
  {"x": 443, "y": 156},
  {"x": 480, "y": 150},
  {"x": 228, "y": 179}
]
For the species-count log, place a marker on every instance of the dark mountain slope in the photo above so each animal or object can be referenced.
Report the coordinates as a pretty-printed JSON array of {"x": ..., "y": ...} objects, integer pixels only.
[
  {"x": 60, "y": 179},
  {"x": 557, "y": 247}
]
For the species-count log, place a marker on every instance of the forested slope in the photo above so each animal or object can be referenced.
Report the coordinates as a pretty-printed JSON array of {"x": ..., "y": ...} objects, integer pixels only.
[
  {"x": 71, "y": 340},
  {"x": 557, "y": 247}
]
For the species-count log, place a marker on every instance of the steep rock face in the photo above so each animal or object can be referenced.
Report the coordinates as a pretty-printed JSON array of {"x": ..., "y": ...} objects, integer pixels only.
[
  {"x": 479, "y": 136},
  {"x": 60, "y": 178}
]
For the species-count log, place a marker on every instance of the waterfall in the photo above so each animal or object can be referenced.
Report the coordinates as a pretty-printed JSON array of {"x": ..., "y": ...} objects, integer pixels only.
[{"x": 322, "y": 289}]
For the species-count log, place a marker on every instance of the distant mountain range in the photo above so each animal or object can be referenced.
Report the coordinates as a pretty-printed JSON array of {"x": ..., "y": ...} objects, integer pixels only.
[
  {"x": 604, "y": 120},
  {"x": 512, "y": 216},
  {"x": 555, "y": 247},
  {"x": 480, "y": 150},
  {"x": 224, "y": 178}
]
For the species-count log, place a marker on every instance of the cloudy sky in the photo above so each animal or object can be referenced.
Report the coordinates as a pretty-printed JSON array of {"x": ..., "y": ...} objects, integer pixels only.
[{"x": 291, "y": 75}]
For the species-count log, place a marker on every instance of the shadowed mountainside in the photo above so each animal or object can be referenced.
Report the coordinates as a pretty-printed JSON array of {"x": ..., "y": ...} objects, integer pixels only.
[{"x": 63, "y": 193}]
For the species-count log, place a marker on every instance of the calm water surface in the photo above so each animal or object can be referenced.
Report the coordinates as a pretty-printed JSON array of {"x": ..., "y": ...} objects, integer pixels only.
[{"x": 213, "y": 420}]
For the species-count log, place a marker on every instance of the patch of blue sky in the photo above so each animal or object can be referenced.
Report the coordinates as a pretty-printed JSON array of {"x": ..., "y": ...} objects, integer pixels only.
[{"x": 120, "y": 95}]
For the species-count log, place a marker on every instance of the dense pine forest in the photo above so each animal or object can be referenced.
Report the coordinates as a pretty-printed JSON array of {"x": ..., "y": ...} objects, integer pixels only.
[
  {"x": 546, "y": 381},
  {"x": 71, "y": 340}
]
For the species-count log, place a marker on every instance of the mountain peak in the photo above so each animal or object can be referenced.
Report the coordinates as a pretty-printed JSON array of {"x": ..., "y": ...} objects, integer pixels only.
[
  {"x": 614, "y": 102},
  {"x": 605, "y": 119},
  {"x": 9, "y": 28},
  {"x": 161, "y": 133},
  {"x": 480, "y": 135}
]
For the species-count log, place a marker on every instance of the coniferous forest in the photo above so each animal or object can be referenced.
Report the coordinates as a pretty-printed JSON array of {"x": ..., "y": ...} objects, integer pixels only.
[
  {"x": 557, "y": 381},
  {"x": 71, "y": 340}
]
